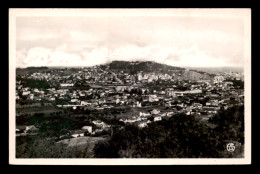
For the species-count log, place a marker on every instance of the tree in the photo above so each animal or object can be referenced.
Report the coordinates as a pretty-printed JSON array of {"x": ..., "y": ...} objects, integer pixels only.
[
  {"x": 230, "y": 123},
  {"x": 180, "y": 136}
]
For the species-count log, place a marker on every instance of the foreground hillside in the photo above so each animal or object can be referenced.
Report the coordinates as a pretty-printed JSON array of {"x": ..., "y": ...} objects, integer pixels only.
[{"x": 180, "y": 136}]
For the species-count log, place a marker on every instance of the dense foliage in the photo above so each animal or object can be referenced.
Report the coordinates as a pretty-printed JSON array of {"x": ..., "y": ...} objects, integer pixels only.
[
  {"x": 34, "y": 83},
  {"x": 180, "y": 136},
  {"x": 37, "y": 68},
  {"x": 231, "y": 122},
  {"x": 140, "y": 66},
  {"x": 237, "y": 83}
]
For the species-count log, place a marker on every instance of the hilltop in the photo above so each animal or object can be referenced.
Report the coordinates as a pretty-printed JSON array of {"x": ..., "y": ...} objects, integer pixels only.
[
  {"x": 137, "y": 66},
  {"x": 154, "y": 67}
]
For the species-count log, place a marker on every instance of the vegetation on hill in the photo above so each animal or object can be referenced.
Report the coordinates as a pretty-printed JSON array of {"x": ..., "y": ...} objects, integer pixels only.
[
  {"x": 153, "y": 67},
  {"x": 33, "y": 83},
  {"x": 230, "y": 123},
  {"x": 180, "y": 136},
  {"x": 32, "y": 67},
  {"x": 236, "y": 83},
  {"x": 135, "y": 67}
]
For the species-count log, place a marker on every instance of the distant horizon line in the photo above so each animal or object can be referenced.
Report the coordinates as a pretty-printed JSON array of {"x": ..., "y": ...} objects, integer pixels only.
[
  {"x": 165, "y": 64},
  {"x": 183, "y": 66},
  {"x": 103, "y": 64}
]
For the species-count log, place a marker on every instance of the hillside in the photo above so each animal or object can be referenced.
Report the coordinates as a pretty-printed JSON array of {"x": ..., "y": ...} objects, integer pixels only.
[
  {"x": 153, "y": 67},
  {"x": 135, "y": 67},
  {"x": 193, "y": 75}
]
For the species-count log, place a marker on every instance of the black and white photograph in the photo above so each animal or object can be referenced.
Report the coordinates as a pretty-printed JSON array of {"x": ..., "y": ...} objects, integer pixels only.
[{"x": 129, "y": 86}]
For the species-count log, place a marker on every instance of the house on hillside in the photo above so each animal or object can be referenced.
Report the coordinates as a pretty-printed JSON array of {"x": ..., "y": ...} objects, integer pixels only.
[
  {"x": 155, "y": 111},
  {"x": 157, "y": 118},
  {"x": 78, "y": 133},
  {"x": 142, "y": 124},
  {"x": 100, "y": 124},
  {"x": 153, "y": 98},
  {"x": 31, "y": 128},
  {"x": 26, "y": 93},
  {"x": 87, "y": 128},
  {"x": 20, "y": 129},
  {"x": 144, "y": 114},
  {"x": 66, "y": 84}
]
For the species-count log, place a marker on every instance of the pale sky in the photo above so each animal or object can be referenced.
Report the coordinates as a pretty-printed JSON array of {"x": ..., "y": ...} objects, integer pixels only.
[{"x": 91, "y": 40}]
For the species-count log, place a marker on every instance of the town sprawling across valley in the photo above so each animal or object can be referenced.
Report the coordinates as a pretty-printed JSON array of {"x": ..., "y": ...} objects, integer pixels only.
[{"x": 122, "y": 109}]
